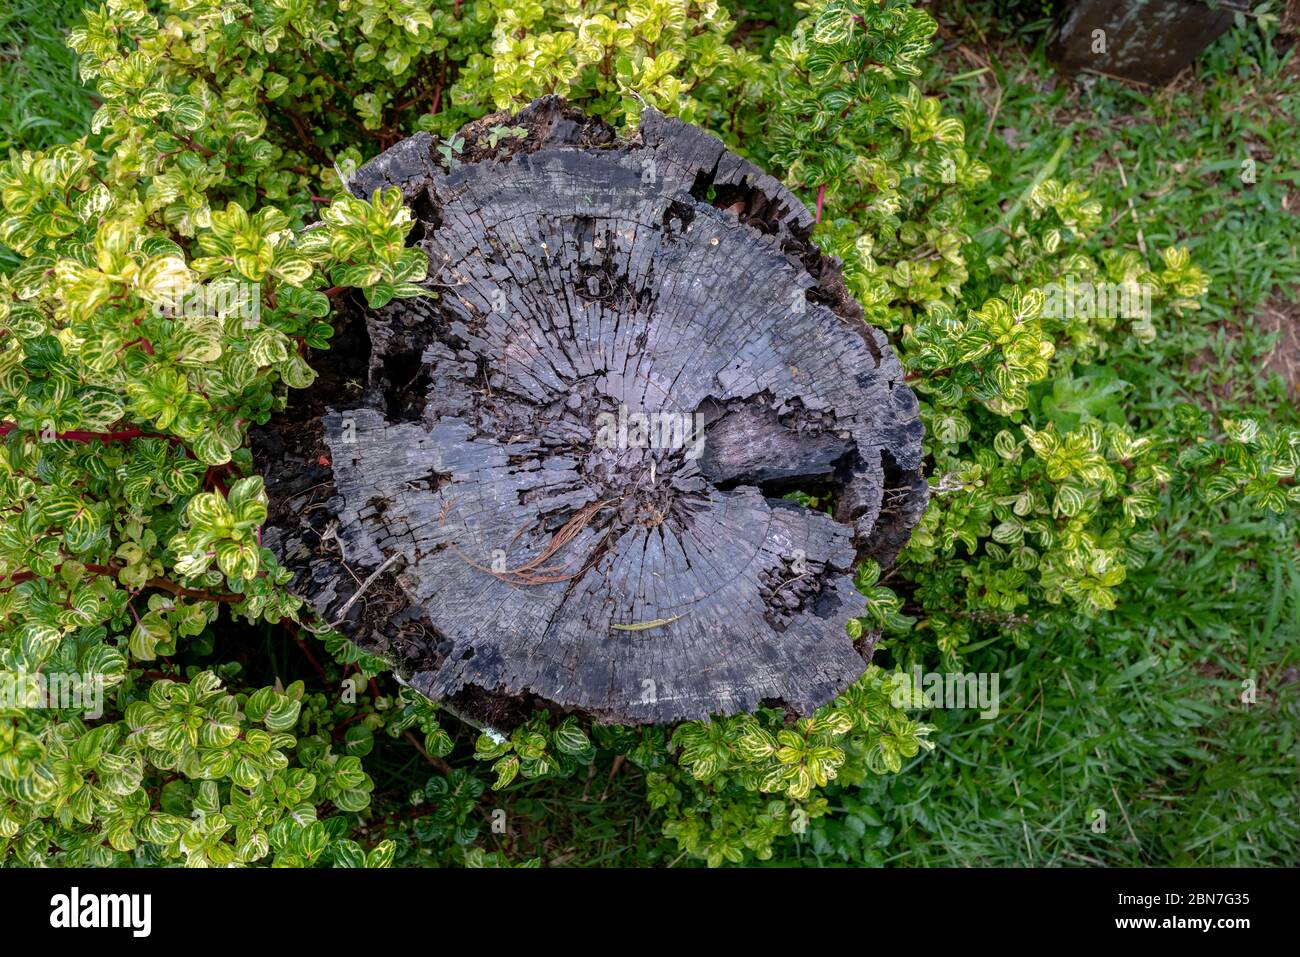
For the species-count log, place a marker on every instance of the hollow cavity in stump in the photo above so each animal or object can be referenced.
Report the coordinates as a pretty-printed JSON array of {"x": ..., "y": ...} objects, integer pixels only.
[{"x": 568, "y": 476}]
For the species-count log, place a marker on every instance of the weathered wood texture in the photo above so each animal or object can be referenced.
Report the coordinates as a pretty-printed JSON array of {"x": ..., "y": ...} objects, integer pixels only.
[
  {"x": 531, "y": 548},
  {"x": 1147, "y": 40}
]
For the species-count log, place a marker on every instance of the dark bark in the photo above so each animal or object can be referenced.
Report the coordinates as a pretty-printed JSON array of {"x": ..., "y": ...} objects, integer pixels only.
[{"x": 468, "y": 447}]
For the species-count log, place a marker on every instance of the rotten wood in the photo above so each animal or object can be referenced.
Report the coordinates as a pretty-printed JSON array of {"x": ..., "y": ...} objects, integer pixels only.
[{"x": 469, "y": 489}]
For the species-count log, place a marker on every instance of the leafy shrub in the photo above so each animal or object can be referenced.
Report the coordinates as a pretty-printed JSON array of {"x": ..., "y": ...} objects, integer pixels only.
[
  {"x": 612, "y": 57},
  {"x": 132, "y": 517}
]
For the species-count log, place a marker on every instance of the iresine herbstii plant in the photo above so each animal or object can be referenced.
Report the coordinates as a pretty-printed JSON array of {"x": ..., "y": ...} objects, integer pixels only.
[
  {"x": 128, "y": 523},
  {"x": 614, "y": 58},
  {"x": 175, "y": 272},
  {"x": 1039, "y": 498}
]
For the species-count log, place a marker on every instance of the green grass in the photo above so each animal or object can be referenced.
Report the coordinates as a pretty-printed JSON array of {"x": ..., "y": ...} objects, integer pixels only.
[
  {"x": 1181, "y": 153},
  {"x": 1136, "y": 714},
  {"x": 42, "y": 100}
]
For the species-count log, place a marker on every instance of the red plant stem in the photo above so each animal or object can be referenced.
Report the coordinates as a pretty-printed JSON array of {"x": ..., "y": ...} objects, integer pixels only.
[
  {"x": 160, "y": 583},
  {"x": 337, "y": 733},
  {"x": 165, "y": 585},
  {"x": 302, "y": 646},
  {"x": 142, "y": 342},
  {"x": 821, "y": 198},
  {"x": 938, "y": 374},
  {"x": 198, "y": 147},
  {"x": 212, "y": 478},
  {"x": 438, "y": 763},
  {"x": 75, "y": 435},
  {"x": 107, "y": 438}
]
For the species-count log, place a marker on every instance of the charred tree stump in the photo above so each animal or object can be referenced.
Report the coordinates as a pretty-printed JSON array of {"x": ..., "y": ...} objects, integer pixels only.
[{"x": 565, "y": 478}]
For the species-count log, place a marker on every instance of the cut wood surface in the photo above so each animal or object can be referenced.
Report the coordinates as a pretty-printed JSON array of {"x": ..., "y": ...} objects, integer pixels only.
[{"x": 565, "y": 478}]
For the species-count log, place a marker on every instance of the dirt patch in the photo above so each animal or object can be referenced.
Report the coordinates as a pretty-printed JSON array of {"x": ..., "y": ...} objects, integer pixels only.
[
  {"x": 1283, "y": 318},
  {"x": 1218, "y": 381},
  {"x": 1276, "y": 316},
  {"x": 1291, "y": 17}
]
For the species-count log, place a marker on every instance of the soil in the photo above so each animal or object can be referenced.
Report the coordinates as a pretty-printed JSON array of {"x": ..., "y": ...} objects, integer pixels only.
[{"x": 1284, "y": 319}]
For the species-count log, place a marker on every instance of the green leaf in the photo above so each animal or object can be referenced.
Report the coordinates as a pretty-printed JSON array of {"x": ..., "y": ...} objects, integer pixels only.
[
  {"x": 381, "y": 855},
  {"x": 150, "y": 632},
  {"x": 569, "y": 738},
  {"x": 506, "y": 769}
]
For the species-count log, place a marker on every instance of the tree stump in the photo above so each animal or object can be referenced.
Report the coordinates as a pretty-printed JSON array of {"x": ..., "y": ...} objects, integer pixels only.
[{"x": 566, "y": 478}]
